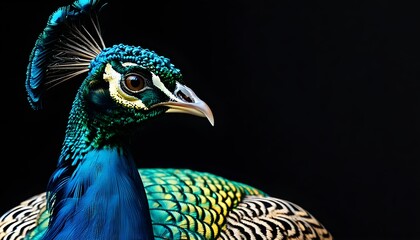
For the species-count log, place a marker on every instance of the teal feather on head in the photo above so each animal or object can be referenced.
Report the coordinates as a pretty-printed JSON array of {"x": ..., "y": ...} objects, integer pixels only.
[{"x": 145, "y": 58}]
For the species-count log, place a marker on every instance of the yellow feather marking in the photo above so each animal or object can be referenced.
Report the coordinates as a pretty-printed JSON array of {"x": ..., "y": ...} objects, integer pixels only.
[
  {"x": 178, "y": 195},
  {"x": 208, "y": 217},
  {"x": 199, "y": 226},
  {"x": 198, "y": 210},
  {"x": 172, "y": 181},
  {"x": 224, "y": 208},
  {"x": 231, "y": 195},
  {"x": 214, "y": 226},
  {"x": 204, "y": 201},
  {"x": 228, "y": 202},
  {"x": 217, "y": 208},
  {"x": 210, "y": 230},
  {"x": 159, "y": 174},
  {"x": 185, "y": 208},
  {"x": 188, "y": 182},
  {"x": 238, "y": 195},
  {"x": 195, "y": 189},
  {"x": 159, "y": 181},
  {"x": 234, "y": 189},
  {"x": 168, "y": 196},
  {"x": 213, "y": 188},
  {"x": 211, "y": 200},
  {"x": 223, "y": 194}
]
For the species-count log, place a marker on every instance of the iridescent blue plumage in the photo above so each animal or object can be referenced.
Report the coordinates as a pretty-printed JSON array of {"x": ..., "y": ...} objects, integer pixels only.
[{"x": 108, "y": 178}]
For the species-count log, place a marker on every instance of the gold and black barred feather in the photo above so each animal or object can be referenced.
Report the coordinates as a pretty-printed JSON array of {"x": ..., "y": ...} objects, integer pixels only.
[
  {"x": 259, "y": 217},
  {"x": 16, "y": 223},
  {"x": 186, "y": 204}
]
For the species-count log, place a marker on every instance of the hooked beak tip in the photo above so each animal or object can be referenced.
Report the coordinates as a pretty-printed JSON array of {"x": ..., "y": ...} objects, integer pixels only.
[
  {"x": 210, "y": 118},
  {"x": 186, "y": 101}
]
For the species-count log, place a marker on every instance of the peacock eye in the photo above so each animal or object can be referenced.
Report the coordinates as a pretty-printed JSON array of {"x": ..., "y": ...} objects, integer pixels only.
[{"x": 134, "y": 82}]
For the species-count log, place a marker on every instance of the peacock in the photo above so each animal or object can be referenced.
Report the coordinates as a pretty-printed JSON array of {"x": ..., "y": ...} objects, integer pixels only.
[{"x": 96, "y": 190}]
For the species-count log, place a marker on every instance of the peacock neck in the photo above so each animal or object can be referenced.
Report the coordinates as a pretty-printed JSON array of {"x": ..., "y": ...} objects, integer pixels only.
[
  {"x": 86, "y": 132},
  {"x": 96, "y": 191}
]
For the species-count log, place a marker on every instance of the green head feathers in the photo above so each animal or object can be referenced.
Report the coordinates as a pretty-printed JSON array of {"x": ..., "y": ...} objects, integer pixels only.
[{"x": 145, "y": 58}]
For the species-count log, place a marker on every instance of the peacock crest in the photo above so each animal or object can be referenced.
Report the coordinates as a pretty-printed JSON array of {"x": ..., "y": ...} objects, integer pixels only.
[{"x": 64, "y": 49}]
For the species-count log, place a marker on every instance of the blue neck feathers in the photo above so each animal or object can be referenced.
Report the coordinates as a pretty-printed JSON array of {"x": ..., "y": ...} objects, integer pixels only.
[
  {"x": 96, "y": 191},
  {"x": 101, "y": 198}
]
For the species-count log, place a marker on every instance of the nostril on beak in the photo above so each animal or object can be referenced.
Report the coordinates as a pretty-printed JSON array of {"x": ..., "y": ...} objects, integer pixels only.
[{"x": 183, "y": 96}]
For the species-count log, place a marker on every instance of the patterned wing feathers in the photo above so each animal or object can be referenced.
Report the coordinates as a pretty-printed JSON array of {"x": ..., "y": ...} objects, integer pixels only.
[
  {"x": 200, "y": 202},
  {"x": 185, "y": 204},
  {"x": 23, "y": 218},
  {"x": 272, "y": 218}
]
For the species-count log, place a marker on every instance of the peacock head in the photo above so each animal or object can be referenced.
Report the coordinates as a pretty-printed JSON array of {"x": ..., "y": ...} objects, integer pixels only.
[{"x": 129, "y": 84}]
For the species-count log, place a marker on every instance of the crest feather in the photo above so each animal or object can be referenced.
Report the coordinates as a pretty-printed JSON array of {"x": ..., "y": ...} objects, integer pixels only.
[{"x": 64, "y": 49}]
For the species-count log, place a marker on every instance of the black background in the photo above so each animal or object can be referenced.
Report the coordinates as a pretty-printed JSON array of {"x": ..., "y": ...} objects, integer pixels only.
[{"x": 316, "y": 102}]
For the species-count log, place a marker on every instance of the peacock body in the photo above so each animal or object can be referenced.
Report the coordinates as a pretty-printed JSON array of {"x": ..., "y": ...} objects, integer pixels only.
[{"x": 96, "y": 191}]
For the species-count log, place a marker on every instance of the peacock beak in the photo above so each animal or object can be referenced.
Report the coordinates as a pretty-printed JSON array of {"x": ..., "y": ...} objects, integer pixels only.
[{"x": 186, "y": 101}]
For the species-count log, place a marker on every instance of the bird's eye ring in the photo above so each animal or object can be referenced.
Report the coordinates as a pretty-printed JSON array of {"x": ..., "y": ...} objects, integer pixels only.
[{"x": 134, "y": 82}]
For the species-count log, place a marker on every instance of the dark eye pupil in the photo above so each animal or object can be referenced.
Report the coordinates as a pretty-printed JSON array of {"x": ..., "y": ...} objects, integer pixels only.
[{"x": 134, "y": 82}]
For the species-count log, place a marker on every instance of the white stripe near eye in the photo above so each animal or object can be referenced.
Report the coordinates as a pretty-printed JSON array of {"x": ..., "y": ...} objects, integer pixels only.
[
  {"x": 159, "y": 84},
  {"x": 156, "y": 81}
]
